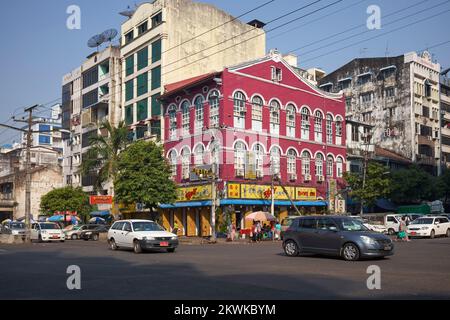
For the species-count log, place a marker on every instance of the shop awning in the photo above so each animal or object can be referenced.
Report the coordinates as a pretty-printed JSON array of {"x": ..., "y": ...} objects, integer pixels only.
[
  {"x": 239, "y": 202},
  {"x": 100, "y": 214}
]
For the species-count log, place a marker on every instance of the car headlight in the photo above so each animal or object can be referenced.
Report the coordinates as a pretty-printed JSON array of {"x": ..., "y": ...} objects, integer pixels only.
[
  {"x": 44, "y": 232},
  {"x": 174, "y": 238},
  {"x": 368, "y": 240}
]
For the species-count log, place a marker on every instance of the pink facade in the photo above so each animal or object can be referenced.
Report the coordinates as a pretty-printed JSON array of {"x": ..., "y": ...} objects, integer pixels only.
[{"x": 301, "y": 137}]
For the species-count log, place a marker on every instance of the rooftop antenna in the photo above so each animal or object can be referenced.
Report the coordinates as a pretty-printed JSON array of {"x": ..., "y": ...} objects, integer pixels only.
[
  {"x": 109, "y": 35},
  {"x": 96, "y": 41},
  {"x": 128, "y": 12}
]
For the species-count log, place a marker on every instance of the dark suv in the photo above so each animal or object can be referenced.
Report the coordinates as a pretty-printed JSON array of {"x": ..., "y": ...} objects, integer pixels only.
[{"x": 337, "y": 236}]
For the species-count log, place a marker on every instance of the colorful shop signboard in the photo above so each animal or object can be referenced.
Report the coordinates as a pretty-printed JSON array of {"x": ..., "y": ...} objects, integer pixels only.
[
  {"x": 263, "y": 192},
  {"x": 198, "y": 193}
]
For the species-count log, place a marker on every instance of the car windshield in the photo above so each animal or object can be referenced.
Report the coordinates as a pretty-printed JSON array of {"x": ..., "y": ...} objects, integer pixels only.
[
  {"x": 49, "y": 226},
  {"x": 146, "y": 226},
  {"x": 18, "y": 225},
  {"x": 423, "y": 221},
  {"x": 352, "y": 225}
]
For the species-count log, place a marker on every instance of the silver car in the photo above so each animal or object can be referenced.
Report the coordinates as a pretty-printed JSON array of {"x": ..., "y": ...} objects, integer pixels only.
[
  {"x": 337, "y": 236},
  {"x": 15, "y": 228}
]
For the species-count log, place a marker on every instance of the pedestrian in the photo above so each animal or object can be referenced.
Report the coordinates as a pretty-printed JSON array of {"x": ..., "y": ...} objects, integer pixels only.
[
  {"x": 403, "y": 230},
  {"x": 254, "y": 232},
  {"x": 233, "y": 232},
  {"x": 278, "y": 230},
  {"x": 259, "y": 230}
]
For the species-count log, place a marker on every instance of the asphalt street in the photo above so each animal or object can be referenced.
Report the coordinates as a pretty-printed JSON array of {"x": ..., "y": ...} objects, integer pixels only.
[{"x": 418, "y": 270}]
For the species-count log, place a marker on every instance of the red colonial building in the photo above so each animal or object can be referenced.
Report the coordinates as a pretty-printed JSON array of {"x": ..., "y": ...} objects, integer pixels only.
[{"x": 248, "y": 126}]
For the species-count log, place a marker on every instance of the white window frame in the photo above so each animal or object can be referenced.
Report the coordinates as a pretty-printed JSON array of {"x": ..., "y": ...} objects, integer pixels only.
[
  {"x": 185, "y": 163},
  {"x": 329, "y": 124},
  {"x": 330, "y": 167},
  {"x": 306, "y": 163},
  {"x": 275, "y": 160},
  {"x": 339, "y": 167},
  {"x": 172, "y": 122},
  {"x": 214, "y": 105},
  {"x": 185, "y": 118},
  {"x": 319, "y": 165},
  {"x": 292, "y": 162},
  {"x": 306, "y": 126},
  {"x": 199, "y": 155},
  {"x": 240, "y": 150},
  {"x": 258, "y": 151},
  {"x": 173, "y": 162}
]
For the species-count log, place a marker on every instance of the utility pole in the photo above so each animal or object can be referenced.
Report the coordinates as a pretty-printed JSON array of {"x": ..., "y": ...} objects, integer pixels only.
[
  {"x": 214, "y": 201},
  {"x": 28, "y": 170}
]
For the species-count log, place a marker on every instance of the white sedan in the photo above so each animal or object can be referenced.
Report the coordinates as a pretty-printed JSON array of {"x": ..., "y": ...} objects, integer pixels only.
[{"x": 429, "y": 227}]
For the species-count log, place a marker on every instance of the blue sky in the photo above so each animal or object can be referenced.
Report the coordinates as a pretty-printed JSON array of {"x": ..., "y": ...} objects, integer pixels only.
[{"x": 38, "y": 49}]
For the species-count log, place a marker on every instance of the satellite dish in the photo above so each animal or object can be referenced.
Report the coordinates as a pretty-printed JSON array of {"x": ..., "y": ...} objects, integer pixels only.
[
  {"x": 128, "y": 13},
  {"x": 96, "y": 41},
  {"x": 110, "y": 34}
]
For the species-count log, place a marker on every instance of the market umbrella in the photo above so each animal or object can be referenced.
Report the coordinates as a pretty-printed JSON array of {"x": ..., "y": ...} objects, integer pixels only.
[
  {"x": 97, "y": 220},
  {"x": 61, "y": 219},
  {"x": 23, "y": 219},
  {"x": 260, "y": 216}
]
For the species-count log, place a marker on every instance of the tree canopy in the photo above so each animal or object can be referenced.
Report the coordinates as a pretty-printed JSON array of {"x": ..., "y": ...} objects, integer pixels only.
[
  {"x": 66, "y": 199},
  {"x": 144, "y": 176}
]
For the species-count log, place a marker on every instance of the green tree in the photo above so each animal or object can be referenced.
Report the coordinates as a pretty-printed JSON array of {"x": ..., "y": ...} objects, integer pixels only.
[
  {"x": 444, "y": 185},
  {"x": 144, "y": 176},
  {"x": 66, "y": 199},
  {"x": 377, "y": 184},
  {"x": 414, "y": 185}
]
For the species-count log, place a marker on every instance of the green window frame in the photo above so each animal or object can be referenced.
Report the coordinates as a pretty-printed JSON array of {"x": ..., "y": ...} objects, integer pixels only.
[
  {"x": 142, "y": 57},
  {"x": 156, "y": 128},
  {"x": 129, "y": 90},
  {"x": 142, "y": 110},
  {"x": 142, "y": 84},
  {"x": 156, "y": 78},
  {"x": 129, "y": 64},
  {"x": 156, "y": 105},
  {"x": 129, "y": 117},
  {"x": 156, "y": 51}
]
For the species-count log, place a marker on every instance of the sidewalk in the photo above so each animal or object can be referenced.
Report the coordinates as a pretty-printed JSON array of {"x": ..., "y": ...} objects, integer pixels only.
[{"x": 205, "y": 241}]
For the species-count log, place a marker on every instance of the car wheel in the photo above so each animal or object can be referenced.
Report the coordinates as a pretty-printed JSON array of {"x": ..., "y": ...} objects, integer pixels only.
[
  {"x": 113, "y": 245},
  {"x": 391, "y": 232},
  {"x": 171, "y": 250},
  {"x": 137, "y": 247},
  {"x": 350, "y": 252},
  {"x": 447, "y": 234},
  {"x": 95, "y": 237},
  {"x": 432, "y": 234},
  {"x": 291, "y": 248},
  {"x": 74, "y": 237}
]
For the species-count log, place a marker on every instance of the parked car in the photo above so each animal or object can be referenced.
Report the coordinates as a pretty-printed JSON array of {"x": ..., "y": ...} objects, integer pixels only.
[
  {"x": 47, "y": 231},
  {"x": 14, "y": 228},
  {"x": 75, "y": 232},
  {"x": 141, "y": 235},
  {"x": 286, "y": 222},
  {"x": 430, "y": 227},
  {"x": 336, "y": 236},
  {"x": 93, "y": 234},
  {"x": 371, "y": 226}
]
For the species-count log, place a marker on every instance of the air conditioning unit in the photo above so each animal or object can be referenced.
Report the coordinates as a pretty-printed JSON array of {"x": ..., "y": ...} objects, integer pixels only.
[
  {"x": 308, "y": 177},
  {"x": 320, "y": 178},
  {"x": 293, "y": 177},
  {"x": 240, "y": 173}
]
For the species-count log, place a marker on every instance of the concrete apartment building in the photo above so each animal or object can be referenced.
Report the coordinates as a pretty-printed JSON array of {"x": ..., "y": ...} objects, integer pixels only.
[
  {"x": 166, "y": 41},
  {"x": 91, "y": 94},
  {"x": 392, "y": 103},
  {"x": 445, "y": 120}
]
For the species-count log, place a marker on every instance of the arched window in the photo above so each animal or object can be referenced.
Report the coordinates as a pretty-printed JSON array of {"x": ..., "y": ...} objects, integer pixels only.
[
  {"x": 173, "y": 162},
  {"x": 290, "y": 120},
  {"x": 338, "y": 127},
  {"x": 305, "y": 124},
  {"x": 239, "y": 158},
  {"x": 214, "y": 109},
  {"x": 292, "y": 162},
  {"x": 258, "y": 150},
  {"x": 185, "y": 163},
  {"x": 318, "y": 126},
  {"x": 257, "y": 113},
  {"x": 172, "y": 122},
  {"x": 199, "y": 114},
  {"x": 329, "y": 129},
  {"x": 330, "y": 164},
  {"x": 199, "y": 155},
  {"x": 275, "y": 159},
  {"x": 240, "y": 110},
  {"x": 185, "y": 118},
  {"x": 339, "y": 167},
  {"x": 306, "y": 163},
  {"x": 319, "y": 165},
  {"x": 275, "y": 117}
]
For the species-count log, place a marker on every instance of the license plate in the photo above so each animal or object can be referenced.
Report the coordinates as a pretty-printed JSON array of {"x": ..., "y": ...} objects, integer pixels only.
[
  {"x": 413, "y": 233},
  {"x": 387, "y": 248},
  {"x": 163, "y": 244},
  {"x": 55, "y": 237}
]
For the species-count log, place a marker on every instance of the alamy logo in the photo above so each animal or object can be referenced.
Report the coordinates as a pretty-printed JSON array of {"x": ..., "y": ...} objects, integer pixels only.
[
  {"x": 374, "y": 20},
  {"x": 74, "y": 19},
  {"x": 374, "y": 280},
  {"x": 74, "y": 280}
]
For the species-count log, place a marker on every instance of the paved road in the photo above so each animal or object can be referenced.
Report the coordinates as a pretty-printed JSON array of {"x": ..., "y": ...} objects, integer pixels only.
[{"x": 419, "y": 270}]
